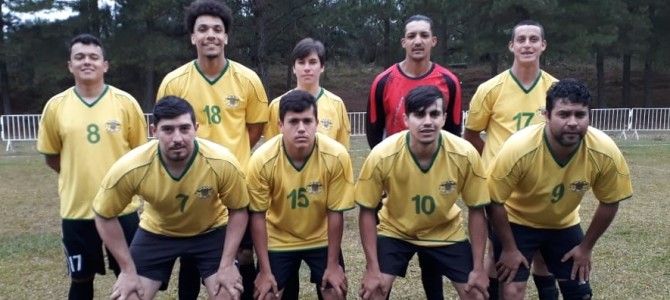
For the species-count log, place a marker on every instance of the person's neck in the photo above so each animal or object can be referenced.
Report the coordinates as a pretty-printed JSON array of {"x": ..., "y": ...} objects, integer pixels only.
[
  {"x": 298, "y": 156},
  {"x": 414, "y": 68},
  {"x": 212, "y": 67},
  {"x": 176, "y": 168},
  {"x": 313, "y": 89},
  {"x": 560, "y": 152},
  {"x": 90, "y": 92},
  {"x": 526, "y": 74},
  {"x": 423, "y": 153}
]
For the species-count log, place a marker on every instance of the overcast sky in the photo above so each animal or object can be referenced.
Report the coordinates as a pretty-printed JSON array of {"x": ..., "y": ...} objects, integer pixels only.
[{"x": 58, "y": 14}]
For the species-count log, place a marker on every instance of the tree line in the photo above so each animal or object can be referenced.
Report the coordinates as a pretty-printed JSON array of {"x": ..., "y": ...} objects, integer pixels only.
[{"x": 146, "y": 39}]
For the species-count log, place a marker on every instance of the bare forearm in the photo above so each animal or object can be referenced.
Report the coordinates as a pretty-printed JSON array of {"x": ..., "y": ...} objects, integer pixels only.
[
  {"x": 500, "y": 225},
  {"x": 475, "y": 139},
  {"x": 477, "y": 229},
  {"x": 255, "y": 132},
  {"x": 368, "y": 231},
  {"x": 237, "y": 223},
  {"x": 335, "y": 228},
  {"x": 602, "y": 219},
  {"x": 259, "y": 235},
  {"x": 112, "y": 235}
]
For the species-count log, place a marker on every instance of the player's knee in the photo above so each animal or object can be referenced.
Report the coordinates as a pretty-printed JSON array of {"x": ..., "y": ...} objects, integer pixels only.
[
  {"x": 245, "y": 256},
  {"x": 514, "y": 290},
  {"x": 572, "y": 290}
]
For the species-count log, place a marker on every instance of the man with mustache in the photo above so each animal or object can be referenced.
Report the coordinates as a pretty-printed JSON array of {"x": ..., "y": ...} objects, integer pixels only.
[
  {"x": 537, "y": 181},
  {"x": 82, "y": 132},
  {"x": 300, "y": 183},
  {"x": 423, "y": 171},
  {"x": 195, "y": 206},
  {"x": 231, "y": 108},
  {"x": 506, "y": 104},
  {"x": 386, "y": 105}
]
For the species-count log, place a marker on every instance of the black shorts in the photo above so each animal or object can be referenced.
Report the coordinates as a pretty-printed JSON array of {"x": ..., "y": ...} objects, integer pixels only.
[
  {"x": 285, "y": 264},
  {"x": 83, "y": 246},
  {"x": 552, "y": 244},
  {"x": 247, "y": 242},
  {"x": 154, "y": 255},
  {"x": 453, "y": 261}
]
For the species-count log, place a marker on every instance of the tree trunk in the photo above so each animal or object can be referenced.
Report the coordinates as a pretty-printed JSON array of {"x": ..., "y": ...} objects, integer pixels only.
[
  {"x": 387, "y": 43},
  {"x": 89, "y": 17},
  {"x": 648, "y": 81},
  {"x": 4, "y": 80},
  {"x": 258, "y": 8},
  {"x": 600, "y": 75},
  {"x": 149, "y": 94},
  {"x": 493, "y": 64},
  {"x": 626, "y": 85}
]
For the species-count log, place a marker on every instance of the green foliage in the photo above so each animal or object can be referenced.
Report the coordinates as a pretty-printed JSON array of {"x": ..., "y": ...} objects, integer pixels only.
[{"x": 146, "y": 39}]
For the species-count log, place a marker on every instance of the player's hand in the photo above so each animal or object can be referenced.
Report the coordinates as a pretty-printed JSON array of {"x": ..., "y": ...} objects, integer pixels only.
[
  {"x": 334, "y": 281},
  {"x": 229, "y": 281},
  {"x": 265, "y": 286},
  {"x": 127, "y": 287},
  {"x": 372, "y": 285},
  {"x": 508, "y": 264},
  {"x": 478, "y": 282},
  {"x": 581, "y": 267}
]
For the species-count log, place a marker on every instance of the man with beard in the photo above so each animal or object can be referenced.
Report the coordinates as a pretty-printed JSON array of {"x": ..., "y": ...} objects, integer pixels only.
[
  {"x": 230, "y": 104},
  {"x": 195, "y": 206},
  {"x": 537, "y": 181}
]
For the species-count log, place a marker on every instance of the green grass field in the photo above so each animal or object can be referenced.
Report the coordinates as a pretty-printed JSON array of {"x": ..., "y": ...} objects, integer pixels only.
[{"x": 631, "y": 261}]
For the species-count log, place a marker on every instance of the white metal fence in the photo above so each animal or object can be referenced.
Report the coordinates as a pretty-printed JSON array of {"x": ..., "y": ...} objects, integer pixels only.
[{"x": 616, "y": 120}]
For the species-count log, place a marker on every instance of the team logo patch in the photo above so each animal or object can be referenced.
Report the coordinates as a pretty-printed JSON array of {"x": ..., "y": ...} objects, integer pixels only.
[
  {"x": 327, "y": 124},
  {"x": 204, "y": 192},
  {"x": 539, "y": 112},
  {"x": 232, "y": 101},
  {"x": 113, "y": 126},
  {"x": 447, "y": 187},
  {"x": 580, "y": 186},
  {"x": 314, "y": 187}
]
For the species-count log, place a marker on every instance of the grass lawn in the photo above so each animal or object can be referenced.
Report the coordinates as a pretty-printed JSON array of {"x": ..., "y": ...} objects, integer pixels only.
[{"x": 631, "y": 261}]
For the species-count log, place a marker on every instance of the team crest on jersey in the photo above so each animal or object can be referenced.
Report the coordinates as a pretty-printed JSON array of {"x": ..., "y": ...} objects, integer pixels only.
[
  {"x": 327, "y": 124},
  {"x": 540, "y": 112},
  {"x": 232, "y": 101},
  {"x": 580, "y": 186},
  {"x": 204, "y": 192},
  {"x": 113, "y": 126},
  {"x": 314, "y": 187},
  {"x": 447, "y": 187}
]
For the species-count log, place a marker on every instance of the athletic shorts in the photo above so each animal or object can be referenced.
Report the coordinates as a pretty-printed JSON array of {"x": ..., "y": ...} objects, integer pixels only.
[
  {"x": 453, "y": 261},
  {"x": 154, "y": 255},
  {"x": 247, "y": 242},
  {"x": 552, "y": 244},
  {"x": 285, "y": 264},
  {"x": 83, "y": 246}
]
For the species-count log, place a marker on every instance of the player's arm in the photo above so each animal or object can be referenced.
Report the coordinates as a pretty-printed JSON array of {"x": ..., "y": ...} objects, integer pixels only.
[
  {"x": 255, "y": 131},
  {"x": 53, "y": 161},
  {"x": 265, "y": 282},
  {"x": 581, "y": 254},
  {"x": 477, "y": 230},
  {"x": 128, "y": 282},
  {"x": 375, "y": 117},
  {"x": 475, "y": 138},
  {"x": 511, "y": 257},
  {"x": 228, "y": 276},
  {"x": 334, "y": 274},
  {"x": 453, "y": 108}
]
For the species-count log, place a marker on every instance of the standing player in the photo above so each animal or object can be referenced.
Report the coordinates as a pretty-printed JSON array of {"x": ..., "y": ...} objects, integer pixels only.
[
  {"x": 83, "y": 131},
  {"x": 230, "y": 105},
  {"x": 190, "y": 186},
  {"x": 300, "y": 182},
  {"x": 386, "y": 104},
  {"x": 505, "y": 104},
  {"x": 538, "y": 179},
  {"x": 423, "y": 171},
  {"x": 309, "y": 60}
]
